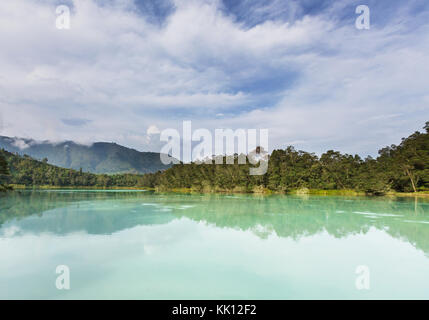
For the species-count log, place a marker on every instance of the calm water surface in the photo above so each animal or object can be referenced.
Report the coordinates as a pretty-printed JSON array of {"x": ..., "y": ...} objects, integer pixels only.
[{"x": 142, "y": 245}]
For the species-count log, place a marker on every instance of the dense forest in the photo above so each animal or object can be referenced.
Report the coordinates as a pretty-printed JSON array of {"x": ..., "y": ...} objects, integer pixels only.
[
  {"x": 4, "y": 171},
  {"x": 26, "y": 171},
  {"x": 401, "y": 168}
]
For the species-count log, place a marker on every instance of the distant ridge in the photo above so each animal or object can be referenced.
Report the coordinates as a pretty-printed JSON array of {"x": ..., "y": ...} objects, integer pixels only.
[{"x": 100, "y": 157}]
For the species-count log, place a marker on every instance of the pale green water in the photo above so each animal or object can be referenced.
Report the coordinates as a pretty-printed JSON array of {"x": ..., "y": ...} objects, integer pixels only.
[{"x": 170, "y": 246}]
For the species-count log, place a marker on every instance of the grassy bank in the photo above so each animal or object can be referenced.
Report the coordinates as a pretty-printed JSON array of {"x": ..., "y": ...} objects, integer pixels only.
[
  {"x": 304, "y": 191},
  {"x": 263, "y": 191}
]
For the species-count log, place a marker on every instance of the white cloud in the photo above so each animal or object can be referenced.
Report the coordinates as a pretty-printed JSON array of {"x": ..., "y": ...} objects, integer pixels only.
[
  {"x": 21, "y": 144},
  {"x": 125, "y": 74},
  {"x": 152, "y": 130}
]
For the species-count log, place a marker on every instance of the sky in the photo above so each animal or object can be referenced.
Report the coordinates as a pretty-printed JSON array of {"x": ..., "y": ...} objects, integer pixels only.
[{"x": 128, "y": 69}]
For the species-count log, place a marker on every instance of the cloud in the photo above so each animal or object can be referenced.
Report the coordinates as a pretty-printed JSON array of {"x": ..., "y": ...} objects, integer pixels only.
[
  {"x": 21, "y": 144},
  {"x": 298, "y": 68},
  {"x": 152, "y": 130}
]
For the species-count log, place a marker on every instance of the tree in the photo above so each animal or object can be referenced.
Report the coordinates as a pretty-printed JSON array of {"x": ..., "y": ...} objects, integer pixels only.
[
  {"x": 408, "y": 163},
  {"x": 402, "y": 168},
  {"x": 4, "y": 169}
]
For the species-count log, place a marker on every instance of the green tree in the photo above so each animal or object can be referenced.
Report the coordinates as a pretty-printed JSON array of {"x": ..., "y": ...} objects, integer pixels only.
[{"x": 4, "y": 168}]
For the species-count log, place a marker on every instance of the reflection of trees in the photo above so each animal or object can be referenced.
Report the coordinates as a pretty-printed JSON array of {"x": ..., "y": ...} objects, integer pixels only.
[
  {"x": 296, "y": 217},
  {"x": 74, "y": 211},
  {"x": 286, "y": 216}
]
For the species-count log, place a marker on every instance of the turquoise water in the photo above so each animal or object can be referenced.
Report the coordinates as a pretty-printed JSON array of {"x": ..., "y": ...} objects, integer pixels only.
[{"x": 143, "y": 245}]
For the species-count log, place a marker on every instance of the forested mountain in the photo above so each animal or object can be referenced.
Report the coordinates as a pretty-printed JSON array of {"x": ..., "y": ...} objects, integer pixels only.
[
  {"x": 27, "y": 171},
  {"x": 402, "y": 168},
  {"x": 100, "y": 157}
]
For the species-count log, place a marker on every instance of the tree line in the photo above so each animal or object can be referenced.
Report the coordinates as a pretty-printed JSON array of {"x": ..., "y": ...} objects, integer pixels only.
[
  {"x": 401, "y": 168},
  {"x": 26, "y": 171}
]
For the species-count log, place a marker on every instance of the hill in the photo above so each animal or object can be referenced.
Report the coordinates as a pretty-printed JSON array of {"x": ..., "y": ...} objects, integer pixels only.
[
  {"x": 24, "y": 170},
  {"x": 400, "y": 168},
  {"x": 100, "y": 157}
]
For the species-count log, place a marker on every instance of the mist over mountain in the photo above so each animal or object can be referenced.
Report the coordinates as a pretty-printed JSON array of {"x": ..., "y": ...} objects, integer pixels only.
[{"x": 100, "y": 157}]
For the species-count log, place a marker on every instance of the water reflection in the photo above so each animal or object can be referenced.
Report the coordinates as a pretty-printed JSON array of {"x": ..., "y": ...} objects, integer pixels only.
[
  {"x": 63, "y": 212},
  {"x": 103, "y": 212}
]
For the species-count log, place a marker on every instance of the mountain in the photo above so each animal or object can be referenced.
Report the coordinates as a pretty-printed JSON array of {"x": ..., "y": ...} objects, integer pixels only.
[
  {"x": 26, "y": 171},
  {"x": 100, "y": 157}
]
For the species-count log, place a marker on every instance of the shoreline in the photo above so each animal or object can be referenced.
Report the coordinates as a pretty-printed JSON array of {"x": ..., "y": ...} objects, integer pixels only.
[{"x": 261, "y": 191}]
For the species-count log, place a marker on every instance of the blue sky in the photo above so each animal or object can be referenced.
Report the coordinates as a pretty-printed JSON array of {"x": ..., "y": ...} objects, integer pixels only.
[{"x": 299, "y": 68}]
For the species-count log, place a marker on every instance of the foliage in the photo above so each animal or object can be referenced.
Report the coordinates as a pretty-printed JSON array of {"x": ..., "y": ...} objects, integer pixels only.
[
  {"x": 4, "y": 170},
  {"x": 402, "y": 168},
  {"x": 100, "y": 157},
  {"x": 27, "y": 171}
]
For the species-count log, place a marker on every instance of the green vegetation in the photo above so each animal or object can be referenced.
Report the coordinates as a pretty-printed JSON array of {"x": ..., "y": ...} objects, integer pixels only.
[
  {"x": 100, "y": 157},
  {"x": 26, "y": 171},
  {"x": 402, "y": 168},
  {"x": 4, "y": 171},
  {"x": 399, "y": 168}
]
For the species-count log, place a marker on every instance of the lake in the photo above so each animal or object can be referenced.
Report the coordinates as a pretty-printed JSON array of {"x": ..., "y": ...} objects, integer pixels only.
[{"x": 146, "y": 245}]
